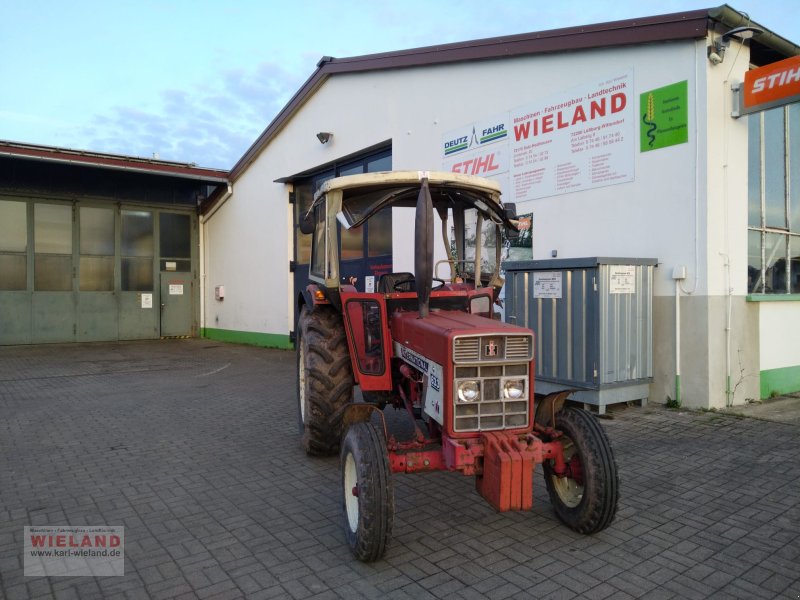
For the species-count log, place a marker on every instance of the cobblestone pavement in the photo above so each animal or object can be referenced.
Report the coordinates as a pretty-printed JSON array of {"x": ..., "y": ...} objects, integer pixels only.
[{"x": 192, "y": 445}]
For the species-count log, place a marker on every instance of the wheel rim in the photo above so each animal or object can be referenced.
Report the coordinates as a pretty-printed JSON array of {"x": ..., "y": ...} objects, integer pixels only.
[
  {"x": 301, "y": 378},
  {"x": 569, "y": 489},
  {"x": 351, "y": 492}
]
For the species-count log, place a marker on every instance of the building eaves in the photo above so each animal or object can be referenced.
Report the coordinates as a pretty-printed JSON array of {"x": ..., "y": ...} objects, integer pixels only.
[
  {"x": 766, "y": 47},
  {"x": 112, "y": 161},
  {"x": 662, "y": 28}
]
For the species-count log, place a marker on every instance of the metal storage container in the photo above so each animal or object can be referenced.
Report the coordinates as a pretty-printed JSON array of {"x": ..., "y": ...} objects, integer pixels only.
[{"x": 593, "y": 320}]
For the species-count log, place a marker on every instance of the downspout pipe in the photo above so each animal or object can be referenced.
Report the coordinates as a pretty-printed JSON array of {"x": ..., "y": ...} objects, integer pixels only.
[
  {"x": 678, "y": 275},
  {"x": 677, "y": 342}
]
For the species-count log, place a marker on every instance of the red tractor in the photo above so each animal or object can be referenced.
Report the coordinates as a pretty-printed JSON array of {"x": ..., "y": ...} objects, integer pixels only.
[{"x": 433, "y": 347}]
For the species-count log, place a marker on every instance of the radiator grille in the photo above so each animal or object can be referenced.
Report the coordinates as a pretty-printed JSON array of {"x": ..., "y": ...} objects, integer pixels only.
[
  {"x": 518, "y": 347},
  {"x": 466, "y": 349},
  {"x": 492, "y": 348}
]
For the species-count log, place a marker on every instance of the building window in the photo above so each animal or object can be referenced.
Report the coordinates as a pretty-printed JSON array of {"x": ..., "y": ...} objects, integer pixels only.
[
  {"x": 137, "y": 251},
  {"x": 52, "y": 235},
  {"x": 97, "y": 249},
  {"x": 175, "y": 242},
  {"x": 774, "y": 201},
  {"x": 13, "y": 245}
]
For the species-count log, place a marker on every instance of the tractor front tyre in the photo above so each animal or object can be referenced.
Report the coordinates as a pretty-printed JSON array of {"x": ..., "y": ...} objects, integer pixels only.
[
  {"x": 324, "y": 379},
  {"x": 585, "y": 499},
  {"x": 367, "y": 492}
]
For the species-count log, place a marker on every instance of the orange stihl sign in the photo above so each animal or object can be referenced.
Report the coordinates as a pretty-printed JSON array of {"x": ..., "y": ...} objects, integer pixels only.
[{"x": 773, "y": 85}]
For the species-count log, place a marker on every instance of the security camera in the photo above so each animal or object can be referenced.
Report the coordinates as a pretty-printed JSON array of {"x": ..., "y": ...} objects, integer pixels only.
[{"x": 714, "y": 58}]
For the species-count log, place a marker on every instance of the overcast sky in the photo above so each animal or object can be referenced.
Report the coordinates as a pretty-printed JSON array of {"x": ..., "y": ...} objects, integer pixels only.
[{"x": 197, "y": 80}]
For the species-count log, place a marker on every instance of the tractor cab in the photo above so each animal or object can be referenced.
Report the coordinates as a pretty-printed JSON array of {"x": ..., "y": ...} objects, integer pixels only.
[
  {"x": 467, "y": 280},
  {"x": 428, "y": 343}
]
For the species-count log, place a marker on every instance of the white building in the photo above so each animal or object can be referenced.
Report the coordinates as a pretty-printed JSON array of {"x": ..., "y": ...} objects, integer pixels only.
[{"x": 618, "y": 137}]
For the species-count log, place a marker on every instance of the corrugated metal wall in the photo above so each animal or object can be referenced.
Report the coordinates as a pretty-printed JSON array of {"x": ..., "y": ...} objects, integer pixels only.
[{"x": 595, "y": 332}]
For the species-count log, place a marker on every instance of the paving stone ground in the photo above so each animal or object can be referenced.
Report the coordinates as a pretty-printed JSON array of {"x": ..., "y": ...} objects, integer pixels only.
[{"x": 192, "y": 446}]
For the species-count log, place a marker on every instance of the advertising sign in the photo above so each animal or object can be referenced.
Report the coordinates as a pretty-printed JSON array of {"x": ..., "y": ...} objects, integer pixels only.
[
  {"x": 776, "y": 84},
  {"x": 664, "y": 116},
  {"x": 480, "y": 148},
  {"x": 576, "y": 140}
]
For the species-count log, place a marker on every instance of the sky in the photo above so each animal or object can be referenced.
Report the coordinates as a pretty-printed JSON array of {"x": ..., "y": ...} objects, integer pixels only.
[{"x": 197, "y": 81}]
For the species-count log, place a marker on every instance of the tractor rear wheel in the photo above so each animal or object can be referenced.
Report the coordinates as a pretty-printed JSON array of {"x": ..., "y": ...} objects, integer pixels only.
[
  {"x": 367, "y": 491},
  {"x": 324, "y": 379},
  {"x": 586, "y": 498}
]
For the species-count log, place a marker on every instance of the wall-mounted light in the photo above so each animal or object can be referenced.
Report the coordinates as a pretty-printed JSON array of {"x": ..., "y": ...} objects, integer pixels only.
[
  {"x": 324, "y": 137},
  {"x": 716, "y": 52}
]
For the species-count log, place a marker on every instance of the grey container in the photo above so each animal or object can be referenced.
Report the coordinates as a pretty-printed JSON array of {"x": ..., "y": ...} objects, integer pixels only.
[{"x": 593, "y": 320}]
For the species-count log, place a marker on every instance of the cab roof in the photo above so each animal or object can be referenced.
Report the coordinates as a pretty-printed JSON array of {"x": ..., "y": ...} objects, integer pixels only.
[{"x": 394, "y": 179}]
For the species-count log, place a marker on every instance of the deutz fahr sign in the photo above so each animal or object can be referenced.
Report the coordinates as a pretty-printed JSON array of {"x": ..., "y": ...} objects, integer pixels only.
[{"x": 772, "y": 85}]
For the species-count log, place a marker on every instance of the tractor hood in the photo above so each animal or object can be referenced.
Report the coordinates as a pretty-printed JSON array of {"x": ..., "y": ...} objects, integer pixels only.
[{"x": 433, "y": 336}]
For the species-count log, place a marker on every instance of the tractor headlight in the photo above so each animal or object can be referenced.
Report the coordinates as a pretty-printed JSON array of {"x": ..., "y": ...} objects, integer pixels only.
[
  {"x": 469, "y": 391},
  {"x": 514, "y": 389}
]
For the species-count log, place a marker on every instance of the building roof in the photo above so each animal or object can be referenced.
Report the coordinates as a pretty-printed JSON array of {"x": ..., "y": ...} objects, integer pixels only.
[
  {"x": 112, "y": 161},
  {"x": 766, "y": 47}
]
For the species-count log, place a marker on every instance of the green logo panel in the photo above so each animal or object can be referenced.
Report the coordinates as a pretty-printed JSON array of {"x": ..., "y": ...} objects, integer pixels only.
[{"x": 663, "y": 117}]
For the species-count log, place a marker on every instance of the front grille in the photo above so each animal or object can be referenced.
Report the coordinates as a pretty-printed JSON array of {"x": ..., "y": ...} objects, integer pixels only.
[
  {"x": 492, "y": 348},
  {"x": 466, "y": 349},
  {"x": 492, "y": 411},
  {"x": 518, "y": 347}
]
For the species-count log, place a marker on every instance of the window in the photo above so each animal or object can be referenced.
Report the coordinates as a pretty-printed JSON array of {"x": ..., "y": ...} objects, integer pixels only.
[
  {"x": 319, "y": 248},
  {"x": 52, "y": 234},
  {"x": 97, "y": 249},
  {"x": 175, "y": 242},
  {"x": 13, "y": 245},
  {"x": 137, "y": 251},
  {"x": 304, "y": 196},
  {"x": 373, "y": 239},
  {"x": 774, "y": 201}
]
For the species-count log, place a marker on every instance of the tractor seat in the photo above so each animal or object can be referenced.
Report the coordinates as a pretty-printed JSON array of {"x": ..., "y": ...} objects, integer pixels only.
[{"x": 397, "y": 282}]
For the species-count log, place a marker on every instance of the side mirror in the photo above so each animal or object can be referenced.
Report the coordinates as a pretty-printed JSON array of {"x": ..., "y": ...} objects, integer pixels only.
[{"x": 307, "y": 222}]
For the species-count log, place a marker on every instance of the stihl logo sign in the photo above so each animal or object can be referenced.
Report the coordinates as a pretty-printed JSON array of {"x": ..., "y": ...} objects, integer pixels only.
[
  {"x": 480, "y": 165},
  {"x": 772, "y": 85}
]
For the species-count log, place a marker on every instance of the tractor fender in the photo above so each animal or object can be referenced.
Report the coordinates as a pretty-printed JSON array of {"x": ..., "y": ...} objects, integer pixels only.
[
  {"x": 317, "y": 295},
  {"x": 547, "y": 407},
  {"x": 361, "y": 412},
  {"x": 306, "y": 298}
]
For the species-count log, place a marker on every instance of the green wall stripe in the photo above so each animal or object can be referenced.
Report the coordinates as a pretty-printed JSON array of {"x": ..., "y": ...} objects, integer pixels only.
[
  {"x": 780, "y": 381},
  {"x": 251, "y": 338},
  {"x": 773, "y": 297}
]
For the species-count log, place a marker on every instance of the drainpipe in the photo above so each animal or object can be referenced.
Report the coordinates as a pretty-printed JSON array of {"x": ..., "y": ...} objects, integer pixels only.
[
  {"x": 678, "y": 275},
  {"x": 728, "y": 390}
]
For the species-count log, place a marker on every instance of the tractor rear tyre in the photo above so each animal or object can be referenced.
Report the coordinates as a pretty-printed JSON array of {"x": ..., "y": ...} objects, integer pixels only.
[
  {"x": 367, "y": 491},
  {"x": 324, "y": 379},
  {"x": 586, "y": 498}
]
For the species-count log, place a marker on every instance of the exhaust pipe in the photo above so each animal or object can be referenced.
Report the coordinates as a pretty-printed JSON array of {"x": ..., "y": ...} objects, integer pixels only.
[{"x": 423, "y": 248}]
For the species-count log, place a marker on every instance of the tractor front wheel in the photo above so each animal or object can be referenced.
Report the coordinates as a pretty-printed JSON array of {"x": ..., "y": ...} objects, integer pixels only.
[
  {"x": 324, "y": 379},
  {"x": 585, "y": 499},
  {"x": 367, "y": 492}
]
